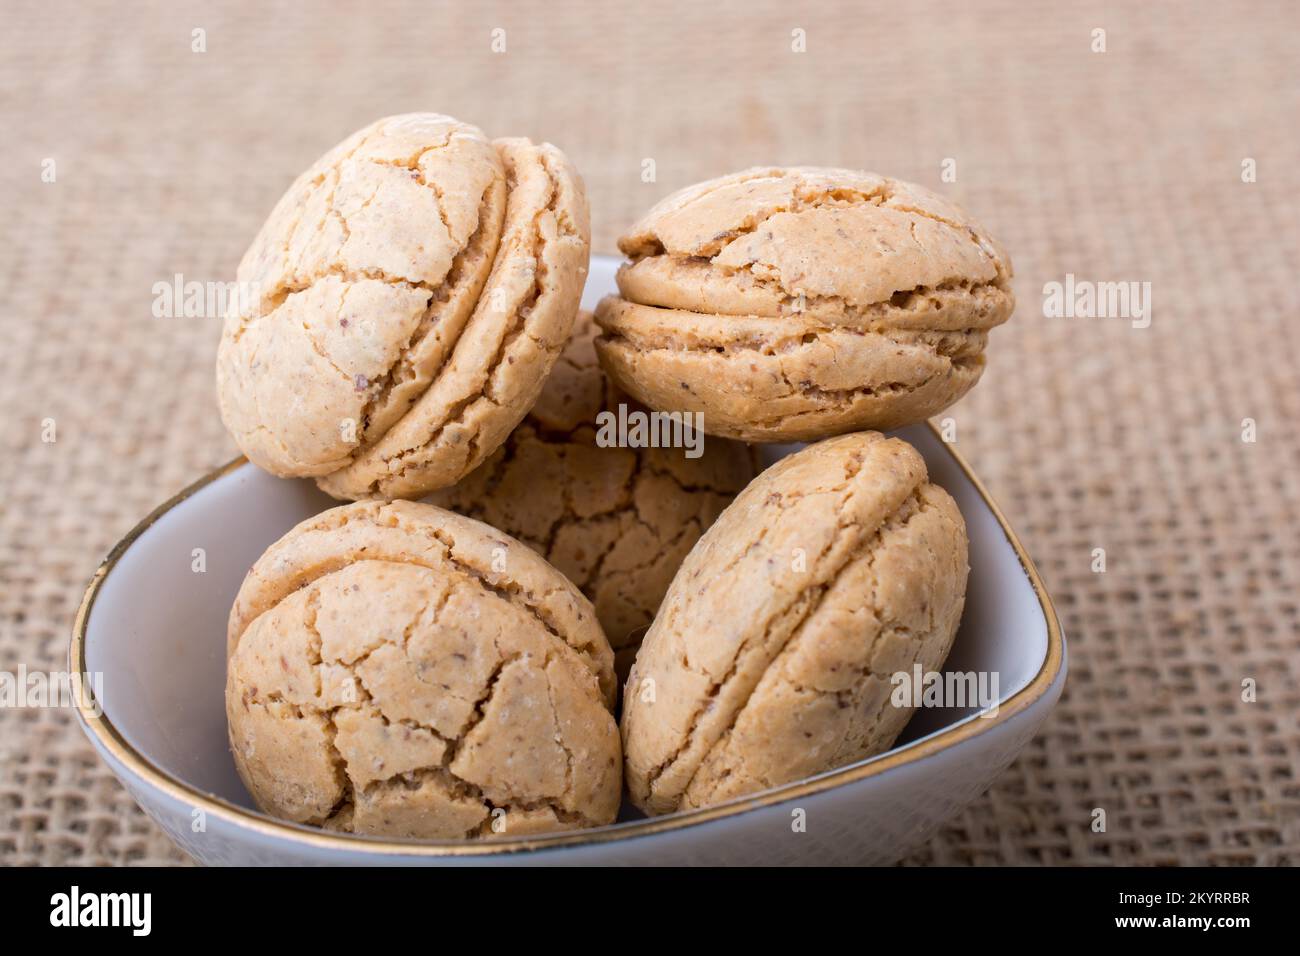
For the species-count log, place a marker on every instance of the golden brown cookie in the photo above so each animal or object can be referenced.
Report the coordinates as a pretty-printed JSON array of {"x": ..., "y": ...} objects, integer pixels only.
[
  {"x": 617, "y": 521},
  {"x": 409, "y": 294},
  {"x": 792, "y": 304},
  {"x": 771, "y": 658},
  {"x": 398, "y": 669}
]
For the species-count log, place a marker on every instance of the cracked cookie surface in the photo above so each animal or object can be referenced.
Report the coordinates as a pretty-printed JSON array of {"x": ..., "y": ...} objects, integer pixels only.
[
  {"x": 771, "y": 657},
  {"x": 408, "y": 296},
  {"x": 616, "y": 521},
  {"x": 396, "y": 669},
  {"x": 788, "y": 304}
]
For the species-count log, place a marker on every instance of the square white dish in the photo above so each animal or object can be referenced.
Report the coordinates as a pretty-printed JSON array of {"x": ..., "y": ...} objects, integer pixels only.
[{"x": 154, "y": 628}]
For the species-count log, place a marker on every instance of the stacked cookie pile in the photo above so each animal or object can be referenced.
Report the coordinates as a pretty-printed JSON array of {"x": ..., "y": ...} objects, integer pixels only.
[{"x": 449, "y": 668}]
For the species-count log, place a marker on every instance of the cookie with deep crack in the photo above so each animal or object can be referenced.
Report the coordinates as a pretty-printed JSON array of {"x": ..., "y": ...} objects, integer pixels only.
[
  {"x": 402, "y": 306},
  {"x": 772, "y": 655},
  {"x": 790, "y": 304},
  {"x": 397, "y": 669},
  {"x": 617, "y": 521}
]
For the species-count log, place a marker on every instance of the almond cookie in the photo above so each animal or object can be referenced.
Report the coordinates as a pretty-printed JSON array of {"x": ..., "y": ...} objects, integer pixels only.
[
  {"x": 792, "y": 304},
  {"x": 617, "y": 521},
  {"x": 402, "y": 307},
  {"x": 398, "y": 669},
  {"x": 771, "y": 658}
]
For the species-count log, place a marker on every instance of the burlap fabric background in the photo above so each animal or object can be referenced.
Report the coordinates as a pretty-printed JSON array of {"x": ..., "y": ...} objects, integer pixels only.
[{"x": 1123, "y": 165}]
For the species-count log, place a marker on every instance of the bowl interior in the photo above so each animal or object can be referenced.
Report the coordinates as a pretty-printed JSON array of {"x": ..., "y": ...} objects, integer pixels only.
[{"x": 156, "y": 630}]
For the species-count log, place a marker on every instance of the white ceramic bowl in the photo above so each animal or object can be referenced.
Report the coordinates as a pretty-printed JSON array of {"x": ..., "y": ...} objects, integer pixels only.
[{"x": 154, "y": 628}]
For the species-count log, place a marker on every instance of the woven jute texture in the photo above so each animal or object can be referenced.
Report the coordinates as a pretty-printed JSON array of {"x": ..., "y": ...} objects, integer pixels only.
[{"x": 1123, "y": 165}]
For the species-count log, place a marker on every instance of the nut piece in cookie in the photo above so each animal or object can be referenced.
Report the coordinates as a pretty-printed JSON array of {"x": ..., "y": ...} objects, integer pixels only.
[
  {"x": 792, "y": 304},
  {"x": 397, "y": 669},
  {"x": 407, "y": 298},
  {"x": 771, "y": 657},
  {"x": 617, "y": 521}
]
